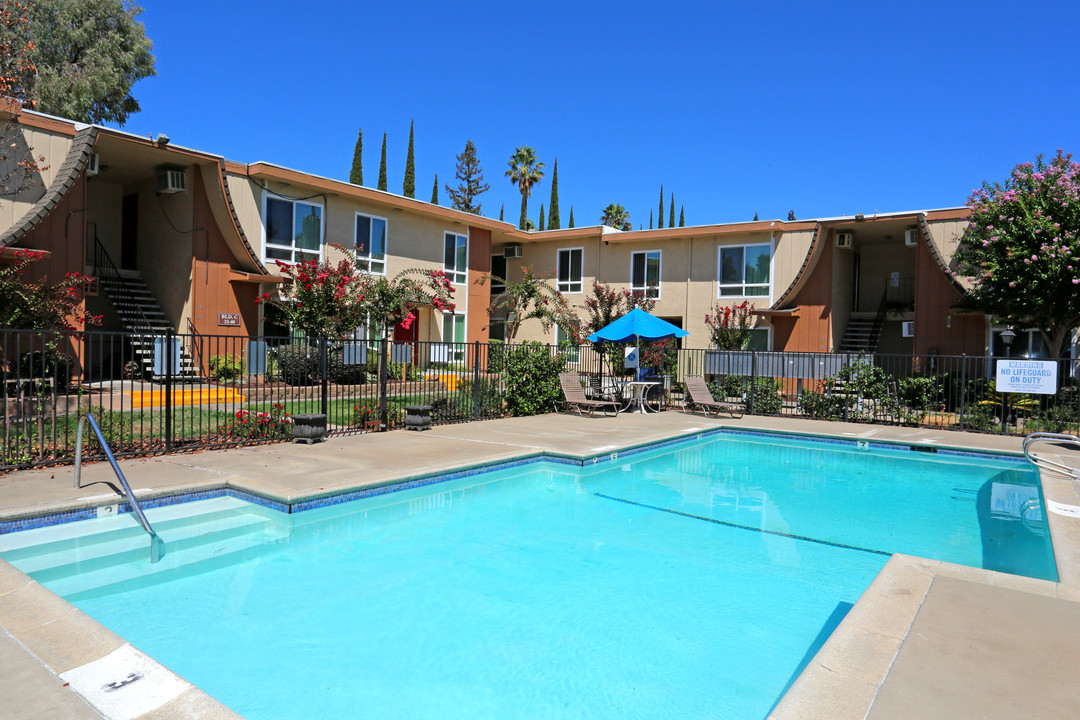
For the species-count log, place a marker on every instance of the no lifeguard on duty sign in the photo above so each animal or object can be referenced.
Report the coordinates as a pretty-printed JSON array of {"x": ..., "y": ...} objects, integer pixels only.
[{"x": 1027, "y": 376}]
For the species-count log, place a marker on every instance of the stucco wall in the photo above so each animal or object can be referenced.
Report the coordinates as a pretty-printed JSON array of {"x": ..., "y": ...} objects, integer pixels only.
[
  {"x": 53, "y": 146},
  {"x": 104, "y": 210},
  {"x": 165, "y": 255}
]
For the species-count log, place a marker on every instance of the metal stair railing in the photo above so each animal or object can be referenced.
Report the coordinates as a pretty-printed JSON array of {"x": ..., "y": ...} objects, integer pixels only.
[
  {"x": 1045, "y": 463},
  {"x": 157, "y": 545},
  {"x": 105, "y": 269}
]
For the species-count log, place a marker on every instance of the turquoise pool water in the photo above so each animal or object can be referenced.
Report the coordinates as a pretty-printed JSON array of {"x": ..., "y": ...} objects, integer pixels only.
[{"x": 689, "y": 581}]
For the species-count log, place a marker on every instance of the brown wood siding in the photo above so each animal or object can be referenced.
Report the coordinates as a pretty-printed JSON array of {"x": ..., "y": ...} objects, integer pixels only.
[
  {"x": 809, "y": 329},
  {"x": 935, "y": 301},
  {"x": 476, "y": 322}
]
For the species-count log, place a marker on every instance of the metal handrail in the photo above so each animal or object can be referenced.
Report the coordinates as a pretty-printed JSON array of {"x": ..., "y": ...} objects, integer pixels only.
[
  {"x": 157, "y": 545},
  {"x": 1042, "y": 462}
]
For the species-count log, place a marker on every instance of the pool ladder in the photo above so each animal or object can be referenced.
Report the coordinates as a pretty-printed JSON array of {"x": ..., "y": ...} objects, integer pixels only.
[
  {"x": 1052, "y": 465},
  {"x": 157, "y": 545}
]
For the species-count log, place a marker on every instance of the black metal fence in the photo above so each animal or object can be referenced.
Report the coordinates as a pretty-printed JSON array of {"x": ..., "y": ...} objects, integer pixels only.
[{"x": 164, "y": 393}]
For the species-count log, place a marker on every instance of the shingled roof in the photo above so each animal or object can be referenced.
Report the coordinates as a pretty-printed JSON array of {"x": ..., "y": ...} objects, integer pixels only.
[{"x": 69, "y": 172}]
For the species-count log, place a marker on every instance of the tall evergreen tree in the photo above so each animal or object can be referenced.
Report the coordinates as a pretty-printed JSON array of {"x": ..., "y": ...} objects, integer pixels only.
[
  {"x": 356, "y": 175},
  {"x": 755, "y": 217},
  {"x": 540, "y": 225},
  {"x": 382, "y": 165},
  {"x": 435, "y": 191},
  {"x": 790, "y": 215},
  {"x": 553, "y": 207},
  {"x": 501, "y": 208},
  {"x": 671, "y": 218},
  {"x": 650, "y": 218},
  {"x": 571, "y": 216},
  {"x": 525, "y": 171},
  {"x": 471, "y": 183},
  {"x": 660, "y": 217},
  {"x": 409, "y": 186},
  {"x": 682, "y": 216}
]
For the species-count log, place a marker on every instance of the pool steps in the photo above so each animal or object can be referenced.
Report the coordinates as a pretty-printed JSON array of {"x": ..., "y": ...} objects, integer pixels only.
[{"x": 197, "y": 538}]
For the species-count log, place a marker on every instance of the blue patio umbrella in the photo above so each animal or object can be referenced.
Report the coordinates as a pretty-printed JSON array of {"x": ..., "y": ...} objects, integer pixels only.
[{"x": 637, "y": 325}]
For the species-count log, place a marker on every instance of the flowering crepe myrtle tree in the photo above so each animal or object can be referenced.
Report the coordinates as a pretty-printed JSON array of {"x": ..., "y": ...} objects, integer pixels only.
[
  {"x": 27, "y": 305},
  {"x": 1021, "y": 249},
  {"x": 730, "y": 327},
  {"x": 533, "y": 298},
  {"x": 605, "y": 305},
  {"x": 333, "y": 299}
]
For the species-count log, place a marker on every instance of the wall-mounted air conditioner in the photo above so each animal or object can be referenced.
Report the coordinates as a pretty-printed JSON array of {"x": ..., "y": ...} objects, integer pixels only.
[
  {"x": 907, "y": 329},
  {"x": 845, "y": 239},
  {"x": 171, "y": 179},
  {"x": 92, "y": 165},
  {"x": 911, "y": 237},
  {"x": 512, "y": 250}
]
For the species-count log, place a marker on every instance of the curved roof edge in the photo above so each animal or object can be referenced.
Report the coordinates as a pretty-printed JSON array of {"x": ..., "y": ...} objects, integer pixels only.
[
  {"x": 74, "y": 164},
  {"x": 924, "y": 228},
  {"x": 804, "y": 271},
  {"x": 224, "y": 185}
]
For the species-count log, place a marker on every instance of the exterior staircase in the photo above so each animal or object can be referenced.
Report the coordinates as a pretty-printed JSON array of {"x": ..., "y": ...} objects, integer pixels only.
[
  {"x": 862, "y": 333},
  {"x": 142, "y": 316}
]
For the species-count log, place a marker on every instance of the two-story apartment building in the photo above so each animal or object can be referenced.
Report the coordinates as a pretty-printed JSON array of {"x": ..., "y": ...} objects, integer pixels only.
[{"x": 190, "y": 239}]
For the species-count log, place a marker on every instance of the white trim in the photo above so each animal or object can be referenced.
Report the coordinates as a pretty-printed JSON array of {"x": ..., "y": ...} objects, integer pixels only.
[
  {"x": 386, "y": 242},
  {"x": 267, "y": 195},
  {"x": 659, "y": 272},
  {"x": 451, "y": 273},
  {"x": 769, "y": 342},
  {"x": 580, "y": 281},
  {"x": 768, "y": 297}
]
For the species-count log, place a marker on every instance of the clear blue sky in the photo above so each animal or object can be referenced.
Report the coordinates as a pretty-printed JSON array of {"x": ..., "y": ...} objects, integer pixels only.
[{"x": 858, "y": 107}]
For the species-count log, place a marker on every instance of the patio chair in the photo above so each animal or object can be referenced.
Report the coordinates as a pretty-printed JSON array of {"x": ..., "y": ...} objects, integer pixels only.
[
  {"x": 575, "y": 398},
  {"x": 700, "y": 398}
]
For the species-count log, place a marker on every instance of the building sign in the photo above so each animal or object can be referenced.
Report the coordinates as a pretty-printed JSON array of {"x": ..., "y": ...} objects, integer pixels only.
[
  {"x": 1027, "y": 376},
  {"x": 228, "y": 319}
]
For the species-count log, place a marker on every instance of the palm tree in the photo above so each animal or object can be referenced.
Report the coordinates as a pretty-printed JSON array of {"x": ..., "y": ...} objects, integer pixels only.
[
  {"x": 525, "y": 171},
  {"x": 616, "y": 216}
]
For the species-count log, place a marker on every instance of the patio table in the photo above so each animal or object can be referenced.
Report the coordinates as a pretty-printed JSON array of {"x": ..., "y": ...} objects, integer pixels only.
[{"x": 637, "y": 400}]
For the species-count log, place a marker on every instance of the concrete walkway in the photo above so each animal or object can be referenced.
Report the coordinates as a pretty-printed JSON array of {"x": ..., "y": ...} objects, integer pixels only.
[{"x": 916, "y": 615}]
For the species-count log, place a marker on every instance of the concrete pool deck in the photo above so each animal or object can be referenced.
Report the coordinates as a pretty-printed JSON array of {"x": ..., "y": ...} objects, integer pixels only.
[{"x": 927, "y": 639}]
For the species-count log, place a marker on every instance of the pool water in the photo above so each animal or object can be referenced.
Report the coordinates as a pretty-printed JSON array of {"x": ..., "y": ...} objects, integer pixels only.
[{"x": 688, "y": 581}]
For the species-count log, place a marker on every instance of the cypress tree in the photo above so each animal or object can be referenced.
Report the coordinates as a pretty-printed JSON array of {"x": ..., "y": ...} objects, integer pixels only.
[
  {"x": 553, "y": 207},
  {"x": 540, "y": 225},
  {"x": 524, "y": 207},
  {"x": 671, "y": 218},
  {"x": 501, "y": 208},
  {"x": 435, "y": 191},
  {"x": 356, "y": 175},
  {"x": 682, "y": 216},
  {"x": 409, "y": 186},
  {"x": 650, "y": 219},
  {"x": 755, "y": 217},
  {"x": 790, "y": 215},
  {"x": 660, "y": 214},
  {"x": 382, "y": 165},
  {"x": 571, "y": 216}
]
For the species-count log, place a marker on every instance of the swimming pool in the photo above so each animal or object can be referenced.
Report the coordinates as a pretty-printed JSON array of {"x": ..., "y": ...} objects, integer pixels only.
[{"x": 692, "y": 580}]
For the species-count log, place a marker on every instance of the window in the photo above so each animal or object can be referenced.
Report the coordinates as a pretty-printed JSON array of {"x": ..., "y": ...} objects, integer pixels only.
[
  {"x": 371, "y": 244},
  {"x": 455, "y": 257},
  {"x": 498, "y": 274},
  {"x": 759, "y": 339},
  {"x": 453, "y": 331},
  {"x": 293, "y": 229},
  {"x": 571, "y": 350},
  {"x": 645, "y": 273},
  {"x": 1027, "y": 344},
  {"x": 570, "y": 261},
  {"x": 744, "y": 270}
]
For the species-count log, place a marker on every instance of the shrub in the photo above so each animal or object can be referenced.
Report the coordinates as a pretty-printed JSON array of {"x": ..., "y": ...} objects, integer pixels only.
[
  {"x": 532, "y": 379},
  {"x": 496, "y": 359},
  {"x": 764, "y": 392},
  {"x": 821, "y": 406},
  {"x": 297, "y": 364},
  {"x": 46, "y": 364},
  {"x": 226, "y": 367},
  {"x": 259, "y": 425},
  {"x": 338, "y": 372}
]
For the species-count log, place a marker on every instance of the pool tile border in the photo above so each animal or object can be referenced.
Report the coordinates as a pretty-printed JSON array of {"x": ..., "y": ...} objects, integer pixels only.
[{"x": 409, "y": 483}]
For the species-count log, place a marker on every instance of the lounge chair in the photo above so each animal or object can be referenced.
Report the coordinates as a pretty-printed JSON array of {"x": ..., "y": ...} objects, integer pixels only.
[
  {"x": 700, "y": 398},
  {"x": 575, "y": 396}
]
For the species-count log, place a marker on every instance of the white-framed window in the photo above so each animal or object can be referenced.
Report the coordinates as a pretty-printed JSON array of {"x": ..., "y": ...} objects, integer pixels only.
[
  {"x": 456, "y": 257},
  {"x": 370, "y": 240},
  {"x": 745, "y": 271},
  {"x": 645, "y": 273},
  {"x": 453, "y": 331},
  {"x": 292, "y": 229},
  {"x": 570, "y": 265},
  {"x": 760, "y": 339},
  {"x": 498, "y": 274},
  {"x": 572, "y": 351}
]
